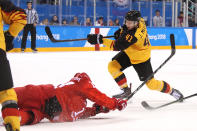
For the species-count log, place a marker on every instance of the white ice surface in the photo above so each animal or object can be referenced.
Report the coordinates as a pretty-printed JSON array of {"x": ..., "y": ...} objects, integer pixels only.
[{"x": 56, "y": 68}]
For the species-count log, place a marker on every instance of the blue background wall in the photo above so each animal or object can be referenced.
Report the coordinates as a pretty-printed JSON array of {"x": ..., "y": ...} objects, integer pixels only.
[{"x": 157, "y": 36}]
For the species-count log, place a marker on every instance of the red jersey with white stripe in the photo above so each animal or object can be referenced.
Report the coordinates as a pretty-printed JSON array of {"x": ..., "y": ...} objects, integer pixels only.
[{"x": 71, "y": 96}]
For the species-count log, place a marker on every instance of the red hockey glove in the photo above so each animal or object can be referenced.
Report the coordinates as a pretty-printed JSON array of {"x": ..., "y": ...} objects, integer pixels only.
[
  {"x": 30, "y": 116},
  {"x": 120, "y": 104},
  {"x": 100, "y": 109},
  {"x": 95, "y": 39}
]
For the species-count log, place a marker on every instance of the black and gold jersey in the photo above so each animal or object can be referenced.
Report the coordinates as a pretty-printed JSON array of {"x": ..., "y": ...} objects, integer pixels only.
[
  {"x": 135, "y": 43},
  {"x": 12, "y": 15}
]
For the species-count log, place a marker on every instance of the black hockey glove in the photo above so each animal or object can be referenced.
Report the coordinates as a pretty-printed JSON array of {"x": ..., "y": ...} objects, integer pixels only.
[
  {"x": 8, "y": 41},
  {"x": 100, "y": 109},
  {"x": 52, "y": 107},
  {"x": 95, "y": 39},
  {"x": 117, "y": 34}
]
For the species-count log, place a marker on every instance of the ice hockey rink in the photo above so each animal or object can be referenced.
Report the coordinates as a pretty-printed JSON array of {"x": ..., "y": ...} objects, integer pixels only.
[{"x": 60, "y": 67}]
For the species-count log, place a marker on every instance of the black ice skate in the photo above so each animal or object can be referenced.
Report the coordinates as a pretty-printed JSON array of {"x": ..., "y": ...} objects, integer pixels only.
[
  {"x": 22, "y": 50},
  {"x": 125, "y": 94},
  {"x": 177, "y": 94},
  {"x": 34, "y": 50}
]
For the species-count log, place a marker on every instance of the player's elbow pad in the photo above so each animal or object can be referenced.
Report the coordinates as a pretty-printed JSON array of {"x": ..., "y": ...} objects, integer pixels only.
[{"x": 121, "y": 44}]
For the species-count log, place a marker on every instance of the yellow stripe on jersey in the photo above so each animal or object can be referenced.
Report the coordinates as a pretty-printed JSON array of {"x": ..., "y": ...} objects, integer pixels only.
[
  {"x": 2, "y": 39},
  {"x": 108, "y": 43},
  {"x": 17, "y": 20}
]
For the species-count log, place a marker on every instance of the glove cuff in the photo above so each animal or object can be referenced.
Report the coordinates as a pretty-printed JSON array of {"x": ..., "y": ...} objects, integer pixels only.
[{"x": 99, "y": 39}]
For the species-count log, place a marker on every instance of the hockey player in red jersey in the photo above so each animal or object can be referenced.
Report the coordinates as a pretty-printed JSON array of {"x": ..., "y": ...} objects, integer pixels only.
[{"x": 67, "y": 102}]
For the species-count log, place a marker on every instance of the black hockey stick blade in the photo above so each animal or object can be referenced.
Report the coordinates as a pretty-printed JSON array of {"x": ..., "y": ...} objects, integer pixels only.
[
  {"x": 172, "y": 42},
  {"x": 148, "y": 107},
  {"x": 50, "y": 35},
  {"x": 48, "y": 32},
  {"x": 173, "y": 49}
]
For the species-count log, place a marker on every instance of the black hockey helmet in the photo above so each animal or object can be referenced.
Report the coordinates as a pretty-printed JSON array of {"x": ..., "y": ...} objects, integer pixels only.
[
  {"x": 133, "y": 15},
  {"x": 29, "y": 2}
]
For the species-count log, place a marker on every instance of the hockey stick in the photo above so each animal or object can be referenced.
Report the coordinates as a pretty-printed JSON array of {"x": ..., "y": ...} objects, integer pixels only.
[
  {"x": 49, "y": 33},
  {"x": 148, "y": 107},
  {"x": 173, "y": 50}
]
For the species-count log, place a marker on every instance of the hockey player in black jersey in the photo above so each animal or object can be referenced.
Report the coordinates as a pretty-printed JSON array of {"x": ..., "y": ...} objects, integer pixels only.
[
  {"x": 16, "y": 18},
  {"x": 135, "y": 50}
]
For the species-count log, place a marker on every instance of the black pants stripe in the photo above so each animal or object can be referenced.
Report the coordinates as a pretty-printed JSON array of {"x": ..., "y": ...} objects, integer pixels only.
[
  {"x": 144, "y": 70},
  {"x": 32, "y": 29}
]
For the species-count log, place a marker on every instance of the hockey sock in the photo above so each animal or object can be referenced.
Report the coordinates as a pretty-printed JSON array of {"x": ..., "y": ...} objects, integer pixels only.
[
  {"x": 122, "y": 81},
  {"x": 161, "y": 86},
  {"x": 166, "y": 88}
]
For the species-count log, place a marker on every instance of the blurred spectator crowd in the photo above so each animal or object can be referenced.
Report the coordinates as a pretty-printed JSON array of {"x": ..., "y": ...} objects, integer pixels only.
[
  {"x": 69, "y": 17},
  {"x": 75, "y": 22},
  {"x": 157, "y": 21}
]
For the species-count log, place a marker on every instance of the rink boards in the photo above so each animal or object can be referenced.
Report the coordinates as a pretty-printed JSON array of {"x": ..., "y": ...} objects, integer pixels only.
[{"x": 159, "y": 37}]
